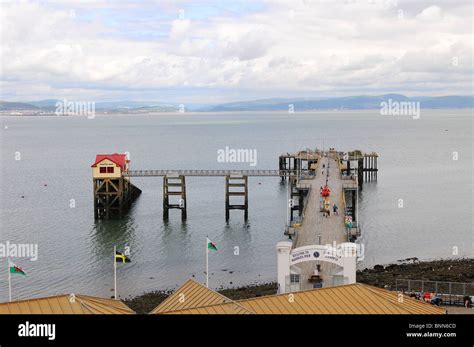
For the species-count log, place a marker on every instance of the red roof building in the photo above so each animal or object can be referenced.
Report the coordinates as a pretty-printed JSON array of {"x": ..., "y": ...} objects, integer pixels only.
[
  {"x": 119, "y": 159},
  {"x": 109, "y": 165}
]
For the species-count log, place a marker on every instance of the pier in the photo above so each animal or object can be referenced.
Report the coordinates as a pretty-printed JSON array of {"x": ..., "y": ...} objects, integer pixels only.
[
  {"x": 323, "y": 210},
  {"x": 323, "y": 189},
  {"x": 114, "y": 192},
  {"x": 319, "y": 227},
  {"x": 305, "y": 172}
]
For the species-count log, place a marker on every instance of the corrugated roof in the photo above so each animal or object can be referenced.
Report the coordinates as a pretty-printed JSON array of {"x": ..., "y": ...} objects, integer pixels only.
[
  {"x": 347, "y": 299},
  {"x": 227, "y": 308},
  {"x": 62, "y": 304},
  {"x": 190, "y": 295}
]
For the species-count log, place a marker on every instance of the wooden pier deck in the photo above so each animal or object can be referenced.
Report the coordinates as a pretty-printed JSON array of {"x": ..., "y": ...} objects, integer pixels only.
[{"x": 317, "y": 229}]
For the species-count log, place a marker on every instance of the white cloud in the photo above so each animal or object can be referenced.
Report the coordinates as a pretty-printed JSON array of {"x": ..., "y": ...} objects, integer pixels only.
[
  {"x": 432, "y": 13},
  {"x": 180, "y": 28},
  {"x": 322, "y": 47}
]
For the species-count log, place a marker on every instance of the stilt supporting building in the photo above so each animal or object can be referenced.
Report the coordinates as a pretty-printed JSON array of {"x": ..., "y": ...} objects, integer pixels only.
[{"x": 113, "y": 192}]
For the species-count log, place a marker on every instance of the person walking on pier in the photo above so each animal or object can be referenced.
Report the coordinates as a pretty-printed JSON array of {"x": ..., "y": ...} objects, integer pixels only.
[{"x": 334, "y": 209}]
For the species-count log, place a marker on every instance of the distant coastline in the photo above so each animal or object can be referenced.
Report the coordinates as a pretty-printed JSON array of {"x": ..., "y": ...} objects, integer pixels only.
[
  {"x": 350, "y": 103},
  {"x": 150, "y": 113}
]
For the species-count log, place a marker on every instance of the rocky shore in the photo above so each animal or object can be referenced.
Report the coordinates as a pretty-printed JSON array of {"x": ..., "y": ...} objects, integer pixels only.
[
  {"x": 449, "y": 270},
  {"x": 459, "y": 270}
]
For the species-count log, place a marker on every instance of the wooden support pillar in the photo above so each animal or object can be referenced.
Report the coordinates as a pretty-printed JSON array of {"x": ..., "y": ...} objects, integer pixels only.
[
  {"x": 282, "y": 166},
  {"x": 109, "y": 198},
  {"x": 121, "y": 198},
  {"x": 96, "y": 211},
  {"x": 370, "y": 167},
  {"x": 300, "y": 202},
  {"x": 376, "y": 169},
  {"x": 227, "y": 198},
  {"x": 166, "y": 213},
  {"x": 367, "y": 167},
  {"x": 293, "y": 194},
  {"x": 371, "y": 173},
  {"x": 231, "y": 184},
  {"x": 174, "y": 186},
  {"x": 354, "y": 205},
  {"x": 360, "y": 172}
]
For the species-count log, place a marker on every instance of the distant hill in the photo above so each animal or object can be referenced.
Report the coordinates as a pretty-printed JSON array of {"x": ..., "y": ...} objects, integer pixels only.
[
  {"x": 7, "y": 106},
  {"x": 349, "y": 102},
  {"x": 361, "y": 102},
  {"x": 144, "y": 109},
  {"x": 48, "y": 103}
]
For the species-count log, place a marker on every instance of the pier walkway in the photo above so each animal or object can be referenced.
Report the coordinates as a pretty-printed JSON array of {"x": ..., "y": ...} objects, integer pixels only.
[
  {"x": 201, "y": 173},
  {"x": 317, "y": 229}
]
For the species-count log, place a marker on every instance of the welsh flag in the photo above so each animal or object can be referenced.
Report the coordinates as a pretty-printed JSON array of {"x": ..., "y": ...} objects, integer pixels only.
[
  {"x": 211, "y": 245},
  {"x": 15, "y": 269}
]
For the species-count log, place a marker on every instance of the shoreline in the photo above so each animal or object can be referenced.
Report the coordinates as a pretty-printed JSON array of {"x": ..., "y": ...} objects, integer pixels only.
[{"x": 383, "y": 276}]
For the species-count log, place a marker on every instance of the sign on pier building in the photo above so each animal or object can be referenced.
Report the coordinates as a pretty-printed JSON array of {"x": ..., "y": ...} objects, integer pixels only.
[{"x": 344, "y": 255}]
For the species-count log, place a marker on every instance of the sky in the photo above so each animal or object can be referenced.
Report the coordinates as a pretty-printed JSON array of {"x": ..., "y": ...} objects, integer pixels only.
[{"x": 223, "y": 51}]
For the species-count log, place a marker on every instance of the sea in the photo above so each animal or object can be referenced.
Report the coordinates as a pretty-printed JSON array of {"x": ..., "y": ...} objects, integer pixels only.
[{"x": 421, "y": 206}]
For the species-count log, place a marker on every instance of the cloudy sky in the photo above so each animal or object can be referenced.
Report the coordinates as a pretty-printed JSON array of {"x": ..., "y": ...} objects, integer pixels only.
[{"x": 217, "y": 51}]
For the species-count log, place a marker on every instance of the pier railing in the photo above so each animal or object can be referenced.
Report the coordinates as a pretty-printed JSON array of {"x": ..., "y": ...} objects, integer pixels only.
[{"x": 202, "y": 173}]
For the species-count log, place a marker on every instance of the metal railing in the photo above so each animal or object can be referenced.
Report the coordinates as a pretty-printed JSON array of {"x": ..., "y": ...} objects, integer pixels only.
[
  {"x": 155, "y": 173},
  {"x": 441, "y": 287}
]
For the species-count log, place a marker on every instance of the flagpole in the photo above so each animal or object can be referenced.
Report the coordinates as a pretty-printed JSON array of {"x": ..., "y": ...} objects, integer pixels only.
[
  {"x": 207, "y": 262},
  {"x": 9, "y": 281},
  {"x": 115, "y": 274}
]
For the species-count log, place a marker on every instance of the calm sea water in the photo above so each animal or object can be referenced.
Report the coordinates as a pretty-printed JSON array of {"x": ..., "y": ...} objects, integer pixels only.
[{"x": 76, "y": 253}]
